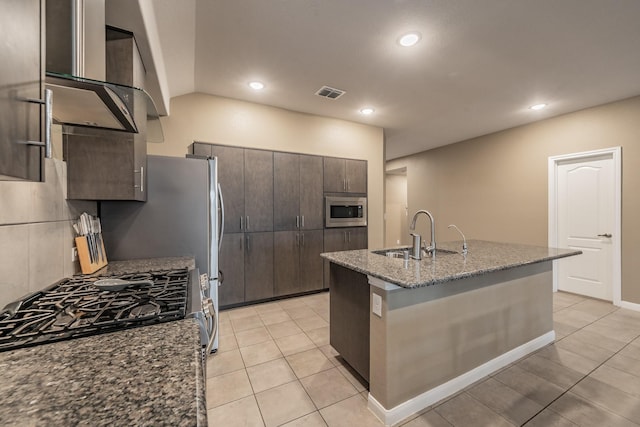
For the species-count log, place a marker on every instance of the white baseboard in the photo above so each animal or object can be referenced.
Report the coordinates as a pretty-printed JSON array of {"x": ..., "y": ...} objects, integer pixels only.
[
  {"x": 630, "y": 305},
  {"x": 412, "y": 406}
]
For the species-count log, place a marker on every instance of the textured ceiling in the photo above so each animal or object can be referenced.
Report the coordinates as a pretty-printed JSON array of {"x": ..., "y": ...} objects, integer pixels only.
[{"x": 478, "y": 68}]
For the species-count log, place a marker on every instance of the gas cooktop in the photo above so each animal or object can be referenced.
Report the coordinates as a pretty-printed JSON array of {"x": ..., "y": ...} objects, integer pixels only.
[{"x": 75, "y": 307}]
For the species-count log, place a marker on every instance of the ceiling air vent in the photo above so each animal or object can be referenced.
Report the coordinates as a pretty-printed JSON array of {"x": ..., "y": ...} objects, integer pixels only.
[{"x": 329, "y": 92}]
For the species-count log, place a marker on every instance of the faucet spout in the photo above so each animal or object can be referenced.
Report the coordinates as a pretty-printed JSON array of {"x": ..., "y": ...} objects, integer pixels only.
[{"x": 432, "y": 247}]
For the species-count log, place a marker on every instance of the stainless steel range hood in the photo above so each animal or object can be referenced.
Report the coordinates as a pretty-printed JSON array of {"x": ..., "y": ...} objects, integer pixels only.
[
  {"x": 76, "y": 51},
  {"x": 85, "y": 102}
]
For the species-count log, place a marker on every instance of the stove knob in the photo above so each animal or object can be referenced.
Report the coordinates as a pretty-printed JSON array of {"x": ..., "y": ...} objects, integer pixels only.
[
  {"x": 207, "y": 306},
  {"x": 204, "y": 283}
]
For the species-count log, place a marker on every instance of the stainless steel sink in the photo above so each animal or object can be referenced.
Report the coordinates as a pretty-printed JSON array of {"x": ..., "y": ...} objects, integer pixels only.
[{"x": 399, "y": 252}]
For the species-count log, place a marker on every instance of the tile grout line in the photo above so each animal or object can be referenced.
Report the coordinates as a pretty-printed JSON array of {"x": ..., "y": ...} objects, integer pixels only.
[
  {"x": 586, "y": 375},
  {"x": 288, "y": 363}
]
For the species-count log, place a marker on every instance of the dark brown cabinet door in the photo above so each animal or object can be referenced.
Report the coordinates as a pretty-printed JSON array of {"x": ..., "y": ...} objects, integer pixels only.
[
  {"x": 311, "y": 193},
  {"x": 356, "y": 174},
  {"x": 286, "y": 271},
  {"x": 343, "y": 239},
  {"x": 258, "y": 266},
  {"x": 20, "y": 80},
  {"x": 286, "y": 191},
  {"x": 258, "y": 190},
  {"x": 311, "y": 264},
  {"x": 334, "y": 175},
  {"x": 345, "y": 175},
  {"x": 104, "y": 166},
  {"x": 231, "y": 261},
  {"x": 335, "y": 239},
  {"x": 201, "y": 149},
  {"x": 231, "y": 179},
  {"x": 356, "y": 238}
]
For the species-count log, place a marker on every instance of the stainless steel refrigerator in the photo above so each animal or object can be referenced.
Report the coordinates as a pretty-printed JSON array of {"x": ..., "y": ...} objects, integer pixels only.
[{"x": 183, "y": 216}]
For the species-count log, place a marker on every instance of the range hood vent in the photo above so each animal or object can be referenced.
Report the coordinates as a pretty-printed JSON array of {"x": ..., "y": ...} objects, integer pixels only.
[
  {"x": 84, "y": 102},
  {"x": 76, "y": 44}
]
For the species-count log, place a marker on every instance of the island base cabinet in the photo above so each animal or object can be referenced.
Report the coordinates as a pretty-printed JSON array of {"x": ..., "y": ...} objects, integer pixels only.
[
  {"x": 431, "y": 335},
  {"x": 349, "y": 314}
]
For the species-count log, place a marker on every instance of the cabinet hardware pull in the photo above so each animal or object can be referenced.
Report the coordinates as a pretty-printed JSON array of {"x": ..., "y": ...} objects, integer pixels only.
[
  {"x": 48, "y": 114},
  {"x": 241, "y": 226},
  {"x": 141, "y": 172},
  {"x": 302, "y": 221},
  {"x": 297, "y": 221},
  {"x": 605, "y": 235}
]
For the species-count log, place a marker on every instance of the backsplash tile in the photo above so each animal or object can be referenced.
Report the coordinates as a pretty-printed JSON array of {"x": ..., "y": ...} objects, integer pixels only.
[
  {"x": 14, "y": 262},
  {"x": 48, "y": 197},
  {"x": 46, "y": 260},
  {"x": 36, "y": 233},
  {"x": 15, "y": 202}
]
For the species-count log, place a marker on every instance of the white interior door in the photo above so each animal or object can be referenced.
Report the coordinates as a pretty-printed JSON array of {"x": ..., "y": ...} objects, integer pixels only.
[{"x": 586, "y": 221}]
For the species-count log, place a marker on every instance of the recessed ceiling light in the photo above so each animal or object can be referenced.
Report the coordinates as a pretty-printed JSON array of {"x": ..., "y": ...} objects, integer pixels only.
[
  {"x": 367, "y": 111},
  {"x": 256, "y": 85},
  {"x": 538, "y": 107},
  {"x": 409, "y": 39}
]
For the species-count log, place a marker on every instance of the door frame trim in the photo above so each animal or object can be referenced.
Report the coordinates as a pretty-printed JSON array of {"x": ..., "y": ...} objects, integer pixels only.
[{"x": 554, "y": 161}]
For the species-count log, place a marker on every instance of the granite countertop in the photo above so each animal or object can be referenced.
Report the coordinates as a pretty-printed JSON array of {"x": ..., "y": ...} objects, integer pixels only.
[
  {"x": 148, "y": 376},
  {"x": 145, "y": 265},
  {"x": 483, "y": 257}
]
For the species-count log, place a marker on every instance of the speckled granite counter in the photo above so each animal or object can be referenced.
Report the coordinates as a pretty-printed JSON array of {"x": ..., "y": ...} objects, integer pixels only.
[
  {"x": 150, "y": 376},
  {"x": 144, "y": 265},
  {"x": 483, "y": 257}
]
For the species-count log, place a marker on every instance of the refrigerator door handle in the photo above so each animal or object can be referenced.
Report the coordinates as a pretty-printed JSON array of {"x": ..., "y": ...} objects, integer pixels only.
[
  {"x": 209, "y": 309},
  {"x": 221, "y": 217}
]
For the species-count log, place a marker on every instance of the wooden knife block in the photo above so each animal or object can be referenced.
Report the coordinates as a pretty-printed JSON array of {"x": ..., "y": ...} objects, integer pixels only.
[{"x": 86, "y": 265}]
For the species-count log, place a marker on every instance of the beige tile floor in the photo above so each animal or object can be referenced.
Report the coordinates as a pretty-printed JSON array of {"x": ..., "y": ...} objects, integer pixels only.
[{"x": 275, "y": 367}]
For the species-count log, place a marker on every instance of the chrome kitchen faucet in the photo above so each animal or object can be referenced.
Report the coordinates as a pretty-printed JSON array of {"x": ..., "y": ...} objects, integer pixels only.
[{"x": 417, "y": 239}]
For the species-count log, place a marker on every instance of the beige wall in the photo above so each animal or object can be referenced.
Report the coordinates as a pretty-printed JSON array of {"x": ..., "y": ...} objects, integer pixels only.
[
  {"x": 396, "y": 224},
  {"x": 495, "y": 187},
  {"x": 200, "y": 117}
]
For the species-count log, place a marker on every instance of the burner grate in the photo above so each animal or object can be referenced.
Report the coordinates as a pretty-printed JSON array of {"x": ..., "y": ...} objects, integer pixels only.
[{"x": 74, "y": 308}]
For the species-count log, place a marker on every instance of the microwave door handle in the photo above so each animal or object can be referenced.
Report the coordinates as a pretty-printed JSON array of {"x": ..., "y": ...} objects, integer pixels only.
[{"x": 221, "y": 217}]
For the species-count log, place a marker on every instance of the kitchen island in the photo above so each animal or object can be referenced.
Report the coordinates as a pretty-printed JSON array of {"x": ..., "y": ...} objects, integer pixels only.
[
  {"x": 151, "y": 375},
  {"x": 419, "y": 331}
]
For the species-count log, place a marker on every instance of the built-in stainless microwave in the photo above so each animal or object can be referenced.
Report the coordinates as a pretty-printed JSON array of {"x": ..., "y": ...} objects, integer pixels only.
[{"x": 345, "y": 211}]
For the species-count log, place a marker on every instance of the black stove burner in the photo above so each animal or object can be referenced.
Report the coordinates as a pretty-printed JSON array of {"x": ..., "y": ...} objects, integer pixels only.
[{"x": 74, "y": 308}]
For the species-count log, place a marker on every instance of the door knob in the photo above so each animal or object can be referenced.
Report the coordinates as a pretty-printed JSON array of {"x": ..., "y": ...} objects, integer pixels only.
[{"x": 605, "y": 235}]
